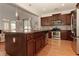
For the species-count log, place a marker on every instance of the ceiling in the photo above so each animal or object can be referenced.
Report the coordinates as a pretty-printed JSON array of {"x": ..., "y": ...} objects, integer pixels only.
[{"x": 45, "y": 8}]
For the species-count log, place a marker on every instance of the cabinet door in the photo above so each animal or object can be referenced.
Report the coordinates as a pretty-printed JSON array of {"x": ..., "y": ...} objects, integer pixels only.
[
  {"x": 46, "y": 21},
  {"x": 64, "y": 35},
  {"x": 9, "y": 45},
  {"x": 63, "y": 18},
  {"x": 30, "y": 47},
  {"x": 38, "y": 45},
  {"x": 20, "y": 44},
  {"x": 15, "y": 44},
  {"x": 68, "y": 19},
  {"x": 56, "y": 16}
]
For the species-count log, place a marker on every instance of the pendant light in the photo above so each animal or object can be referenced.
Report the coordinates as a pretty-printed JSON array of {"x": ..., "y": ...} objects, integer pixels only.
[{"x": 16, "y": 14}]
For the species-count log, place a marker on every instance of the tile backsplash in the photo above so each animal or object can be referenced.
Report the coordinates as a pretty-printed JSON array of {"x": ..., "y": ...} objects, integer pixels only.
[{"x": 64, "y": 27}]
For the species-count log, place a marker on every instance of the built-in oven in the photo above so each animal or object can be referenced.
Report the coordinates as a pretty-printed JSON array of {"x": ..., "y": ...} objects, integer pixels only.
[{"x": 56, "y": 33}]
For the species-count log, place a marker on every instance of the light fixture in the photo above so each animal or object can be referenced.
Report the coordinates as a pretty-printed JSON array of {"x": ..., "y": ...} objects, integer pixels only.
[{"x": 16, "y": 14}]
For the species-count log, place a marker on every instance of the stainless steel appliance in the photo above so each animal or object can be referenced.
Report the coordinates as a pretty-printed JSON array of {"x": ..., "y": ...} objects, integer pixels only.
[
  {"x": 56, "y": 33},
  {"x": 75, "y": 30}
]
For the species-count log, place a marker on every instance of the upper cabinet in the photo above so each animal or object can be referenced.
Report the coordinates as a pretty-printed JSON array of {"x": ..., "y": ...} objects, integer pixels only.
[
  {"x": 50, "y": 20},
  {"x": 56, "y": 16},
  {"x": 68, "y": 22},
  {"x": 46, "y": 21},
  {"x": 66, "y": 19},
  {"x": 63, "y": 18}
]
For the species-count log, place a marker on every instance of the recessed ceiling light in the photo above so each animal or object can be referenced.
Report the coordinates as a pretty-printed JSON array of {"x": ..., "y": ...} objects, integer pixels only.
[{"x": 62, "y": 4}]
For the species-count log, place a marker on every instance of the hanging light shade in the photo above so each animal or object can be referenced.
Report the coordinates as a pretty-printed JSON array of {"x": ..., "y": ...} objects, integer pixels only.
[{"x": 17, "y": 15}]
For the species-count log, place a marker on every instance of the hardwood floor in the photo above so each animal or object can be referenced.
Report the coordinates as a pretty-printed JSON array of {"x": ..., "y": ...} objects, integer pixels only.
[
  {"x": 58, "y": 48},
  {"x": 54, "y": 48},
  {"x": 2, "y": 49}
]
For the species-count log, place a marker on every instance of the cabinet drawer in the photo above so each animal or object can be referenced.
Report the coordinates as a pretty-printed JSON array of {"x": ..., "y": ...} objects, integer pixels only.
[{"x": 29, "y": 36}]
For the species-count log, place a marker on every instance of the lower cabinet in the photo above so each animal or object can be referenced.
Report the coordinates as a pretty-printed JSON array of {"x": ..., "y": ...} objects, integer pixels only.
[
  {"x": 66, "y": 35},
  {"x": 15, "y": 44},
  {"x": 30, "y": 47},
  {"x": 38, "y": 45},
  {"x": 24, "y": 44}
]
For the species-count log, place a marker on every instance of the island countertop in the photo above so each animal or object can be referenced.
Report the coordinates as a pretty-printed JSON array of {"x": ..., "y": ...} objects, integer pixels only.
[{"x": 29, "y": 31}]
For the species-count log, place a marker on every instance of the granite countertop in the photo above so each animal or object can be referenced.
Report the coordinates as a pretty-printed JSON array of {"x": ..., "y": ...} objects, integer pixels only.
[{"x": 31, "y": 31}]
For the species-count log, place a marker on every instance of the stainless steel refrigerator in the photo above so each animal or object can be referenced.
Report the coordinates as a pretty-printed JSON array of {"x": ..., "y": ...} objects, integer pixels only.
[{"x": 75, "y": 30}]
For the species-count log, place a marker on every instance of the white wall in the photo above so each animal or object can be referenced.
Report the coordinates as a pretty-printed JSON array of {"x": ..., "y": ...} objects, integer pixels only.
[
  {"x": 9, "y": 11},
  {"x": 62, "y": 12},
  {"x": 36, "y": 22}
]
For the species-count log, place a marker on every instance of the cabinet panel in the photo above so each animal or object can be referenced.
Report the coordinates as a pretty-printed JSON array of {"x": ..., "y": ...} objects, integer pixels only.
[
  {"x": 20, "y": 44},
  {"x": 17, "y": 47},
  {"x": 9, "y": 46},
  {"x": 63, "y": 18},
  {"x": 56, "y": 16},
  {"x": 46, "y": 21},
  {"x": 66, "y": 19},
  {"x": 66, "y": 35},
  {"x": 38, "y": 45},
  {"x": 30, "y": 47}
]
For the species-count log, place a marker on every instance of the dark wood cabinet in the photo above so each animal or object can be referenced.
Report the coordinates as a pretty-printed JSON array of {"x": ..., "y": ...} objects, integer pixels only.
[
  {"x": 66, "y": 19},
  {"x": 38, "y": 45},
  {"x": 50, "y": 34},
  {"x": 30, "y": 47},
  {"x": 63, "y": 18},
  {"x": 46, "y": 21},
  {"x": 66, "y": 35},
  {"x": 56, "y": 17},
  {"x": 24, "y": 44},
  {"x": 15, "y": 48}
]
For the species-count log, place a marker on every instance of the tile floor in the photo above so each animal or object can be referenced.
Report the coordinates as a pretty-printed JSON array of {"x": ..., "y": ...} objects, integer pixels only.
[{"x": 54, "y": 48}]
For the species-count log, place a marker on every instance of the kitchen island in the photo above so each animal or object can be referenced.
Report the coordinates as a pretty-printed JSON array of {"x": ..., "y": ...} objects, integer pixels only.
[{"x": 25, "y": 44}]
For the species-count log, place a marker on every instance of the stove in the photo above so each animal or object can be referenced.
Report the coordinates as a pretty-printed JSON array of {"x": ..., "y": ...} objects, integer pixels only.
[{"x": 56, "y": 33}]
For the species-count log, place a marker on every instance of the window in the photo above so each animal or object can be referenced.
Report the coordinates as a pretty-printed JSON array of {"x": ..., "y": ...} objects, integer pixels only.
[
  {"x": 13, "y": 26},
  {"x": 6, "y": 26},
  {"x": 27, "y": 25}
]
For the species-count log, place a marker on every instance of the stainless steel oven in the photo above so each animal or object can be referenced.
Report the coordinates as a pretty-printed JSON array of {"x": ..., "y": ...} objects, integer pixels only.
[{"x": 56, "y": 33}]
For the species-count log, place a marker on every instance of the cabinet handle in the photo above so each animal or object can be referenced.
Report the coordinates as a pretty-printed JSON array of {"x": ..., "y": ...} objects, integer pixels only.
[{"x": 14, "y": 40}]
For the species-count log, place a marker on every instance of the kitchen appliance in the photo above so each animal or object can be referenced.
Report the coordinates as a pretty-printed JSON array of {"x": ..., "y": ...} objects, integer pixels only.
[
  {"x": 56, "y": 33},
  {"x": 75, "y": 30}
]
